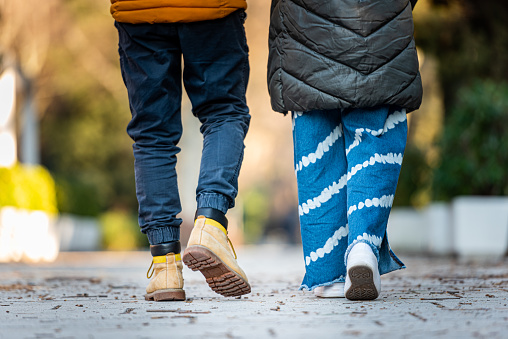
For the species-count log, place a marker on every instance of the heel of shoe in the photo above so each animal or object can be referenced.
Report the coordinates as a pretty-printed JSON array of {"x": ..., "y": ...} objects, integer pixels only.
[
  {"x": 362, "y": 284},
  {"x": 362, "y": 281},
  {"x": 221, "y": 278},
  {"x": 169, "y": 294}
]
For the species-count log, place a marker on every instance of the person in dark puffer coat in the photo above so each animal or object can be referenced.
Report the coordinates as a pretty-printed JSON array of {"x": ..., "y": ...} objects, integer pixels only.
[{"x": 348, "y": 72}]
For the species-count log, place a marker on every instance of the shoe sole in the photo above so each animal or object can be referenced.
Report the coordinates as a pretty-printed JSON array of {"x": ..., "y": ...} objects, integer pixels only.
[
  {"x": 221, "y": 279},
  {"x": 166, "y": 295},
  {"x": 362, "y": 284}
]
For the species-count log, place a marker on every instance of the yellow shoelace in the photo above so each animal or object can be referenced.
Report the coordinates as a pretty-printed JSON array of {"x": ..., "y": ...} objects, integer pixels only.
[
  {"x": 148, "y": 273},
  {"x": 159, "y": 260},
  {"x": 231, "y": 244}
]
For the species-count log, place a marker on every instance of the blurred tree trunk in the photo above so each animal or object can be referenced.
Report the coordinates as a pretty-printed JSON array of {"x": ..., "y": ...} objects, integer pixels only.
[
  {"x": 29, "y": 32},
  {"x": 26, "y": 30}
]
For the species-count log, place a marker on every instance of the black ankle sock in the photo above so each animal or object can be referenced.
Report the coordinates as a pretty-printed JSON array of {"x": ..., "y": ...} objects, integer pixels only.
[
  {"x": 214, "y": 214},
  {"x": 165, "y": 248}
]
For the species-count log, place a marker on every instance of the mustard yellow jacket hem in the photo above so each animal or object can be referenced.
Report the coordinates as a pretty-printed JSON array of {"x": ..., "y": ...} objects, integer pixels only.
[{"x": 170, "y": 11}]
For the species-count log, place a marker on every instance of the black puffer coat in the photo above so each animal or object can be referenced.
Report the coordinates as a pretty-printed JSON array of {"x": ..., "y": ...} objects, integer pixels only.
[{"x": 328, "y": 54}]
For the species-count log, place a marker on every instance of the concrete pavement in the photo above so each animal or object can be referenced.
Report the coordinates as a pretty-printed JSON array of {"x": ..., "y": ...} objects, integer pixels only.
[{"x": 100, "y": 295}]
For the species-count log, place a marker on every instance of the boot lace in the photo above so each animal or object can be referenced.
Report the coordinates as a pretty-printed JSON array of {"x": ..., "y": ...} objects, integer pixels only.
[
  {"x": 148, "y": 273},
  {"x": 231, "y": 244}
]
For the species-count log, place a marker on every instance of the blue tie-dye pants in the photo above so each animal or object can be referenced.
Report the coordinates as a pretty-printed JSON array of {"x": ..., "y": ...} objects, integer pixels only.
[{"x": 347, "y": 164}]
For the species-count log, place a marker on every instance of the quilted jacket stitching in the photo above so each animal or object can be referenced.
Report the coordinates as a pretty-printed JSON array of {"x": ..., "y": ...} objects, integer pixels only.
[
  {"x": 349, "y": 29},
  {"x": 404, "y": 88},
  {"x": 392, "y": 58},
  {"x": 358, "y": 77},
  {"x": 317, "y": 89}
]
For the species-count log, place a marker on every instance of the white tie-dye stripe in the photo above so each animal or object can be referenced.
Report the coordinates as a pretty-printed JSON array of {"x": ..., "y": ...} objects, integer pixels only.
[
  {"x": 329, "y": 245},
  {"x": 323, "y": 147},
  {"x": 389, "y": 158},
  {"x": 371, "y": 238},
  {"x": 334, "y": 188},
  {"x": 295, "y": 115},
  {"x": 358, "y": 139},
  {"x": 325, "y": 195},
  {"x": 393, "y": 120},
  {"x": 386, "y": 201}
]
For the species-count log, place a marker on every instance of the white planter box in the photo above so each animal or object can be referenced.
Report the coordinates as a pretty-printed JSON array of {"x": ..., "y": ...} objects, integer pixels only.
[
  {"x": 78, "y": 233},
  {"x": 27, "y": 235},
  {"x": 439, "y": 222},
  {"x": 34, "y": 236},
  {"x": 471, "y": 227},
  {"x": 407, "y": 230},
  {"x": 480, "y": 226}
]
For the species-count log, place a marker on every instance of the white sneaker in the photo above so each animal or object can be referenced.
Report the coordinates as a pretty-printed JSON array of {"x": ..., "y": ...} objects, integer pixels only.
[
  {"x": 362, "y": 280},
  {"x": 331, "y": 291}
]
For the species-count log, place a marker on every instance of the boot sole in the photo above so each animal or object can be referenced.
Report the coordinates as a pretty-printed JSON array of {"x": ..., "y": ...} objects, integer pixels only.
[
  {"x": 166, "y": 295},
  {"x": 221, "y": 279},
  {"x": 362, "y": 284}
]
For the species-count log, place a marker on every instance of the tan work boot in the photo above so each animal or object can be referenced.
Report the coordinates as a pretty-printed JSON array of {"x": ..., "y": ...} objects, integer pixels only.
[
  {"x": 167, "y": 281},
  {"x": 209, "y": 252}
]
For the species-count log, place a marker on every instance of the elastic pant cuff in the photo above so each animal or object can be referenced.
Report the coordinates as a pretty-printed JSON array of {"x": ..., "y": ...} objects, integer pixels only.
[
  {"x": 214, "y": 200},
  {"x": 163, "y": 235}
]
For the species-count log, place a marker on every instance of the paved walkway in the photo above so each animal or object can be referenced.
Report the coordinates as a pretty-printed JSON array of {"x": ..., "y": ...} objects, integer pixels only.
[{"x": 100, "y": 295}]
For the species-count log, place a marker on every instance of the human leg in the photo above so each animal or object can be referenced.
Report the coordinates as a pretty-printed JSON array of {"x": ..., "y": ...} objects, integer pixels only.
[
  {"x": 375, "y": 142},
  {"x": 215, "y": 77},
  {"x": 150, "y": 61},
  {"x": 151, "y": 70},
  {"x": 320, "y": 167}
]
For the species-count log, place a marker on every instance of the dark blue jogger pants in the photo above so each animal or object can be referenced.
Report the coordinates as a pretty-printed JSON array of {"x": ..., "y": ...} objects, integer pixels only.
[{"x": 215, "y": 76}]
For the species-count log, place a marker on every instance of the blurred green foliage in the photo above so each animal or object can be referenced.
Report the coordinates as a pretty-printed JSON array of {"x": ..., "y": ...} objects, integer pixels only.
[
  {"x": 83, "y": 138},
  {"x": 414, "y": 180},
  {"x": 120, "y": 231},
  {"x": 27, "y": 187},
  {"x": 85, "y": 145},
  {"x": 474, "y": 146},
  {"x": 256, "y": 212},
  {"x": 469, "y": 38}
]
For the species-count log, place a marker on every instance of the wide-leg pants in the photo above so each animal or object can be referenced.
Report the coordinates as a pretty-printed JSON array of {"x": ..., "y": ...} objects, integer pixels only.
[{"x": 347, "y": 164}]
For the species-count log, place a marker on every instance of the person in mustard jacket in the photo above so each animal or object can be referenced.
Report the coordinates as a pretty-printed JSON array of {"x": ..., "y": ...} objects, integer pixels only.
[{"x": 153, "y": 37}]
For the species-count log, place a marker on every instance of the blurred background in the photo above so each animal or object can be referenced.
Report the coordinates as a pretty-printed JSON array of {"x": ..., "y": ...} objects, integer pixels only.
[{"x": 66, "y": 163}]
